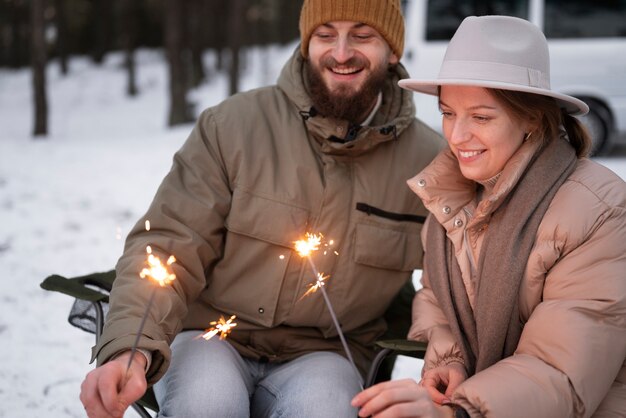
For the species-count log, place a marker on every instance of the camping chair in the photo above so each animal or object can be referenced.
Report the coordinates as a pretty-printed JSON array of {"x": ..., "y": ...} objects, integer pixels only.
[{"x": 91, "y": 303}]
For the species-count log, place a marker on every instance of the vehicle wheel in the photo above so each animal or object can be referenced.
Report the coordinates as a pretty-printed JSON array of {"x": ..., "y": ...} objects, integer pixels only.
[{"x": 598, "y": 123}]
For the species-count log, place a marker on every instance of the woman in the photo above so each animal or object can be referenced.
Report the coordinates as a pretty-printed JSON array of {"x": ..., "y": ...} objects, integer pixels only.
[{"x": 524, "y": 284}]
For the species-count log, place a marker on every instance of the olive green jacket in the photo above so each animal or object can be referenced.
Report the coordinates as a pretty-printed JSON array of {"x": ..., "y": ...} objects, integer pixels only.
[{"x": 257, "y": 172}]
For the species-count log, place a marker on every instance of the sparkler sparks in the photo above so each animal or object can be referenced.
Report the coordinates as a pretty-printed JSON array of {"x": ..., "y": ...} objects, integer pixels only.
[
  {"x": 305, "y": 248},
  {"x": 314, "y": 287},
  {"x": 157, "y": 271},
  {"x": 222, "y": 327},
  {"x": 310, "y": 244}
]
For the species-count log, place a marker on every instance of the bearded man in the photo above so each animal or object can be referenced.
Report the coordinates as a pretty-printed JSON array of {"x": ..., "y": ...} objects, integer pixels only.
[{"x": 327, "y": 150}]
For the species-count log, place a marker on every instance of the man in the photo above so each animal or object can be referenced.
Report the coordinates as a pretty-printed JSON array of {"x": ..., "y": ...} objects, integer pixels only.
[{"x": 327, "y": 150}]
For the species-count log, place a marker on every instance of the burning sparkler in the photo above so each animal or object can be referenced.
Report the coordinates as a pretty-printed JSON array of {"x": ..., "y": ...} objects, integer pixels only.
[
  {"x": 304, "y": 249},
  {"x": 222, "y": 327},
  {"x": 159, "y": 273}
]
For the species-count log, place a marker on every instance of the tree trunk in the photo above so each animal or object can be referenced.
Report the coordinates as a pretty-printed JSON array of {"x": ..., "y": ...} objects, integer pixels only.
[
  {"x": 179, "y": 107},
  {"x": 38, "y": 51},
  {"x": 196, "y": 17},
  {"x": 216, "y": 31},
  {"x": 19, "y": 48},
  {"x": 61, "y": 41},
  {"x": 236, "y": 27},
  {"x": 101, "y": 20},
  {"x": 289, "y": 12},
  {"x": 129, "y": 38}
]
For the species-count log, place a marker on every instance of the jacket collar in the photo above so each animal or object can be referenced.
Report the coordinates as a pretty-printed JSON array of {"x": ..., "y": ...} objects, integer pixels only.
[
  {"x": 396, "y": 112},
  {"x": 445, "y": 192}
]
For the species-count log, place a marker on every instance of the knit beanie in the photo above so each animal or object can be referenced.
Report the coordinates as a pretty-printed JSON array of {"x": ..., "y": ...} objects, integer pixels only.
[{"x": 383, "y": 15}]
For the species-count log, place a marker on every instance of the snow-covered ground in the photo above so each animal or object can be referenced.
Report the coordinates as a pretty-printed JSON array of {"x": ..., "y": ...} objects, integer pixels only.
[{"x": 67, "y": 202}]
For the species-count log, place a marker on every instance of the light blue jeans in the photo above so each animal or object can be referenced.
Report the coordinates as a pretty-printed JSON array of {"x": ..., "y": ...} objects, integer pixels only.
[{"x": 211, "y": 379}]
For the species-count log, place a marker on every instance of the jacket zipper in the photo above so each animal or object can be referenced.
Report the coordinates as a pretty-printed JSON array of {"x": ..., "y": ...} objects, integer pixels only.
[{"x": 371, "y": 210}]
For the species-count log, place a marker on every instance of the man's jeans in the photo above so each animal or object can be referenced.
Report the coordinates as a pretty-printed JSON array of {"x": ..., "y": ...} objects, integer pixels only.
[{"x": 211, "y": 379}]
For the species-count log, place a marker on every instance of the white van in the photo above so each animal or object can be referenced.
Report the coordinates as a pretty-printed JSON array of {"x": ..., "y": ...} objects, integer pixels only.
[{"x": 587, "y": 41}]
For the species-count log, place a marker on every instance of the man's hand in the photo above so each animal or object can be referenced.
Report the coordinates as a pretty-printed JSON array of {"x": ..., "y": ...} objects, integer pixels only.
[
  {"x": 108, "y": 390},
  {"x": 398, "y": 399},
  {"x": 441, "y": 382}
]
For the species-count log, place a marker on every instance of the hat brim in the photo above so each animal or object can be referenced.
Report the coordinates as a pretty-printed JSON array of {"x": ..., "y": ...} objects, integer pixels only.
[{"x": 572, "y": 105}]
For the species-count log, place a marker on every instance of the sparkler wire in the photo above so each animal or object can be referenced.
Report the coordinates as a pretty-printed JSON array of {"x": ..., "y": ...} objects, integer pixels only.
[
  {"x": 336, "y": 322},
  {"x": 141, "y": 325}
]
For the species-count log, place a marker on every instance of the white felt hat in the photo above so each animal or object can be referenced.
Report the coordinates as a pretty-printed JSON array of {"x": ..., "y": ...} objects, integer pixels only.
[{"x": 500, "y": 52}]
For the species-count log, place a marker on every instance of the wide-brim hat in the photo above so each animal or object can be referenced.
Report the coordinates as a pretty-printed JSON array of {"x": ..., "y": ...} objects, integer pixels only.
[{"x": 500, "y": 52}]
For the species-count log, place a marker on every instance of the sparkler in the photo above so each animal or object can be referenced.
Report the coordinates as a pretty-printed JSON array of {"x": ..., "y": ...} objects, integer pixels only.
[
  {"x": 222, "y": 327},
  {"x": 160, "y": 274},
  {"x": 304, "y": 249}
]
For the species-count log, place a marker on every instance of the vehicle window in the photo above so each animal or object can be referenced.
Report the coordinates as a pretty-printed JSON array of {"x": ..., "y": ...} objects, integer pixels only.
[
  {"x": 445, "y": 16},
  {"x": 585, "y": 19}
]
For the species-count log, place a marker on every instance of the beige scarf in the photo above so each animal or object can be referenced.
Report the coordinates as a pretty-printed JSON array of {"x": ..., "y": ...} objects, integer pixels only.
[{"x": 492, "y": 331}]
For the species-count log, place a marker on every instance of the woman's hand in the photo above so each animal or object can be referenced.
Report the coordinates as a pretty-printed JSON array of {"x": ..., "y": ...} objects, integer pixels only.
[
  {"x": 441, "y": 382},
  {"x": 398, "y": 399}
]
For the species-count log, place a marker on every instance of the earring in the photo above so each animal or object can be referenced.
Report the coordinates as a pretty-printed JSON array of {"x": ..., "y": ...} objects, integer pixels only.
[{"x": 527, "y": 137}]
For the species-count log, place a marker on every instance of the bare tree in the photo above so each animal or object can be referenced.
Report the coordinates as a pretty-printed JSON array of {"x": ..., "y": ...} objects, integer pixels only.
[
  {"x": 129, "y": 12},
  {"x": 38, "y": 63},
  {"x": 235, "y": 30},
  {"x": 216, "y": 30},
  {"x": 102, "y": 20},
  {"x": 179, "y": 107},
  {"x": 18, "y": 50},
  {"x": 196, "y": 12},
  {"x": 61, "y": 39}
]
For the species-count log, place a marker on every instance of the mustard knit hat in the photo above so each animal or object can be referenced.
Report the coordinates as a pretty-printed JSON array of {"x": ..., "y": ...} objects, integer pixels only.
[{"x": 383, "y": 15}]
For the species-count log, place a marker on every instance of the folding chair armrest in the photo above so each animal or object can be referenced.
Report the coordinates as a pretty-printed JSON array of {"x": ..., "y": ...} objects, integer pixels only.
[
  {"x": 387, "y": 347},
  {"x": 78, "y": 287},
  {"x": 410, "y": 348},
  {"x": 89, "y": 290}
]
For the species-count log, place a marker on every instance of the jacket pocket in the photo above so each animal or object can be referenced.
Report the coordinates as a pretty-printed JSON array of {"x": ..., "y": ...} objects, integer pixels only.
[
  {"x": 260, "y": 235},
  {"x": 387, "y": 248}
]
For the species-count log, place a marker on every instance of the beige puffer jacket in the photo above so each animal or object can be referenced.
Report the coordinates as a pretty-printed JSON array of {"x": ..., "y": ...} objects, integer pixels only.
[
  {"x": 570, "y": 361},
  {"x": 257, "y": 172}
]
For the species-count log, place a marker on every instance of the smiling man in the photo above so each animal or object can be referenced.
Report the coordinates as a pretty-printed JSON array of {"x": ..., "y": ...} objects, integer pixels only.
[
  {"x": 347, "y": 68},
  {"x": 326, "y": 150}
]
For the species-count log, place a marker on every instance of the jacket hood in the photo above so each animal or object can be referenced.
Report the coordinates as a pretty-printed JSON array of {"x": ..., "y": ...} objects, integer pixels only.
[{"x": 336, "y": 136}]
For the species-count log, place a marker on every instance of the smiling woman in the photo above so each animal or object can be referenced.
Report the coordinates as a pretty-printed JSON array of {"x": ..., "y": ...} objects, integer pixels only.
[
  {"x": 480, "y": 131},
  {"x": 511, "y": 272}
]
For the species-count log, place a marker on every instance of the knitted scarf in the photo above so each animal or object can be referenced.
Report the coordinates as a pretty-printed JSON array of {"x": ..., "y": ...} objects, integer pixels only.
[{"x": 493, "y": 330}]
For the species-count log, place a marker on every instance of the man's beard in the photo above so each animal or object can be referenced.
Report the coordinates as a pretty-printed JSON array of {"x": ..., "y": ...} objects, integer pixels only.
[{"x": 344, "y": 102}]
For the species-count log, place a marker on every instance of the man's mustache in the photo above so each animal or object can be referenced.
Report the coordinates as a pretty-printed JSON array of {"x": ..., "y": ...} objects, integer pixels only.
[{"x": 356, "y": 62}]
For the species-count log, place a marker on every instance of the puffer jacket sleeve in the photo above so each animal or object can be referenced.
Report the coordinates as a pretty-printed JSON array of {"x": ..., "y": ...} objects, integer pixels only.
[
  {"x": 574, "y": 342},
  {"x": 429, "y": 324},
  {"x": 187, "y": 221}
]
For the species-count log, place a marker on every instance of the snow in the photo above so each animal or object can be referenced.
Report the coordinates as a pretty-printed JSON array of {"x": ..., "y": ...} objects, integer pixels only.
[{"x": 67, "y": 201}]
